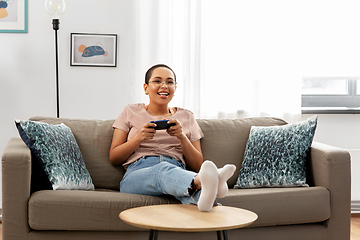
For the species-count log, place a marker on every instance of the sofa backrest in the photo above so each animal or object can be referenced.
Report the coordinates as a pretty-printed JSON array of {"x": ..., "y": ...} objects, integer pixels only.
[
  {"x": 224, "y": 142},
  {"x": 225, "y": 139}
]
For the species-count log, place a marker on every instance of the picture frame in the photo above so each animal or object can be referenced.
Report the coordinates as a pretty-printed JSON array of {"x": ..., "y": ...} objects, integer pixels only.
[
  {"x": 93, "y": 50},
  {"x": 14, "y": 16}
]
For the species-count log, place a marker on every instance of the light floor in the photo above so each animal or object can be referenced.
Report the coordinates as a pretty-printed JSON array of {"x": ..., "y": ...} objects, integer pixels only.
[{"x": 355, "y": 227}]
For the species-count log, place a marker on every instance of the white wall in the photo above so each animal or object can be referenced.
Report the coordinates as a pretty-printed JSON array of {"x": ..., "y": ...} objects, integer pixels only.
[{"x": 340, "y": 130}]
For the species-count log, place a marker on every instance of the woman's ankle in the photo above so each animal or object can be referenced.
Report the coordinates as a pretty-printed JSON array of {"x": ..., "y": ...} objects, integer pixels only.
[{"x": 196, "y": 184}]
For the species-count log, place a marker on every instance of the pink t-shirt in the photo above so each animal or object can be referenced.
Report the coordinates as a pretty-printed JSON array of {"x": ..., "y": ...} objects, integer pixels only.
[{"x": 134, "y": 116}]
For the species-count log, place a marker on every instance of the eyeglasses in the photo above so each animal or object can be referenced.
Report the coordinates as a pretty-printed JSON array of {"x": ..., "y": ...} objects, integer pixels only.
[{"x": 168, "y": 83}]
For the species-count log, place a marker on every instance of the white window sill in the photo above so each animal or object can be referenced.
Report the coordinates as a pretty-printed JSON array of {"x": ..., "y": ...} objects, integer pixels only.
[{"x": 330, "y": 110}]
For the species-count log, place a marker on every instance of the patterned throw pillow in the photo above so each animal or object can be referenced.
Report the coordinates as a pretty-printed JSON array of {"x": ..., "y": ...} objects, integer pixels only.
[
  {"x": 276, "y": 156},
  {"x": 55, "y": 150}
]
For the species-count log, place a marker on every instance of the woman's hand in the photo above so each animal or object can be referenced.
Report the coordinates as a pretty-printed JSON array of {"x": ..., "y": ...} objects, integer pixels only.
[
  {"x": 147, "y": 132},
  {"x": 191, "y": 150},
  {"x": 176, "y": 130},
  {"x": 121, "y": 149}
]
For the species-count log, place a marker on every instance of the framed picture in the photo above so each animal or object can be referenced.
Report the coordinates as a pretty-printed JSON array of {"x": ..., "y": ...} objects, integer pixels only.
[
  {"x": 93, "y": 50},
  {"x": 14, "y": 16}
]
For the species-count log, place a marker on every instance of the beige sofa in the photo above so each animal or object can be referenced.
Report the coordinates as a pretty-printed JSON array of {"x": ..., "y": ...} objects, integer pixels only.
[{"x": 321, "y": 211}]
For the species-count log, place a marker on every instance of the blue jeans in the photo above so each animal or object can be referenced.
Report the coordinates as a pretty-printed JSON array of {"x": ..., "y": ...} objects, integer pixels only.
[{"x": 158, "y": 175}]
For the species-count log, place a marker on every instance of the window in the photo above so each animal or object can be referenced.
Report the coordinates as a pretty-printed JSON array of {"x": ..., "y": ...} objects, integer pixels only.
[{"x": 330, "y": 95}]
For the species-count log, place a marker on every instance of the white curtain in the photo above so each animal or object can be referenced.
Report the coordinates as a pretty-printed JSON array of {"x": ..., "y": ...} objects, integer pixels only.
[{"x": 232, "y": 58}]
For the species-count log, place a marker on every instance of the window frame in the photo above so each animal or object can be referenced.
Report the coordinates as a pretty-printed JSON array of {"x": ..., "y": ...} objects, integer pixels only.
[{"x": 332, "y": 103}]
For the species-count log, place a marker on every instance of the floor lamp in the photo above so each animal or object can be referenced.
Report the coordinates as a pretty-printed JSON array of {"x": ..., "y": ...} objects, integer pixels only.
[{"x": 55, "y": 8}]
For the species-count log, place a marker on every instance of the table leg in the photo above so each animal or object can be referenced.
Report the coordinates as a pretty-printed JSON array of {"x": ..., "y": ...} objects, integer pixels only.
[
  {"x": 224, "y": 234},
  {"x": 153, "y": 234}
]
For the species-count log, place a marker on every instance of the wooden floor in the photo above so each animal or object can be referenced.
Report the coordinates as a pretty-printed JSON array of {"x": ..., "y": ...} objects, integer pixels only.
[{"x": 355, "y": 227}]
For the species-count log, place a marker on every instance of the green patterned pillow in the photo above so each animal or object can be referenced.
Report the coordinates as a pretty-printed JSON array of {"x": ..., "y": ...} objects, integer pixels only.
[
  {"x": 276, "y": 156},
  {"x": 57, "y": 153}
]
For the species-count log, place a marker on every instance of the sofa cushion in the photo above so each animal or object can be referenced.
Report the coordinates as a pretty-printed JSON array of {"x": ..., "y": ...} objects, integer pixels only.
[
  {"x": 99, "y": 210},
  {"x": 225, "y": 140},
  {"x": 83, "y": 210},
  {"x": 276, "y": 156},
  {"x": 282, "y": 206},
  {"x": 94, "y": 139},
  {"x": 55, "y": 150}
]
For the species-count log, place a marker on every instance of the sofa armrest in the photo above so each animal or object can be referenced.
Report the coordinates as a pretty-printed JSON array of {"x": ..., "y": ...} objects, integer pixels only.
[
  {"x": 16, "y": 175},
  {"x": 330, "y": 167}
]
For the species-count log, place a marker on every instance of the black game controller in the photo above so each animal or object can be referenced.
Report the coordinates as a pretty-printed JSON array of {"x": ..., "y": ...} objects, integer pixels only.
[{"x": 162, "y": 124}]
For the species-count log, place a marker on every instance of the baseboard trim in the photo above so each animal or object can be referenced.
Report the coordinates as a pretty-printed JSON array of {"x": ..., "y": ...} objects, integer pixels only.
[{"x": 355, "y": 206}]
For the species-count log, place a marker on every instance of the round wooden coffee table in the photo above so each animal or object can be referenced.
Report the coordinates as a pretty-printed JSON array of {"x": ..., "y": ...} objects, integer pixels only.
[{"x": 187, "y": 218}]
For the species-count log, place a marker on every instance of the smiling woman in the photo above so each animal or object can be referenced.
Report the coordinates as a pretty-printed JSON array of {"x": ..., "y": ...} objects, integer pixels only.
[
  {"x": 160, "y": 82},
  {"x": 157, "y": 159}
]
